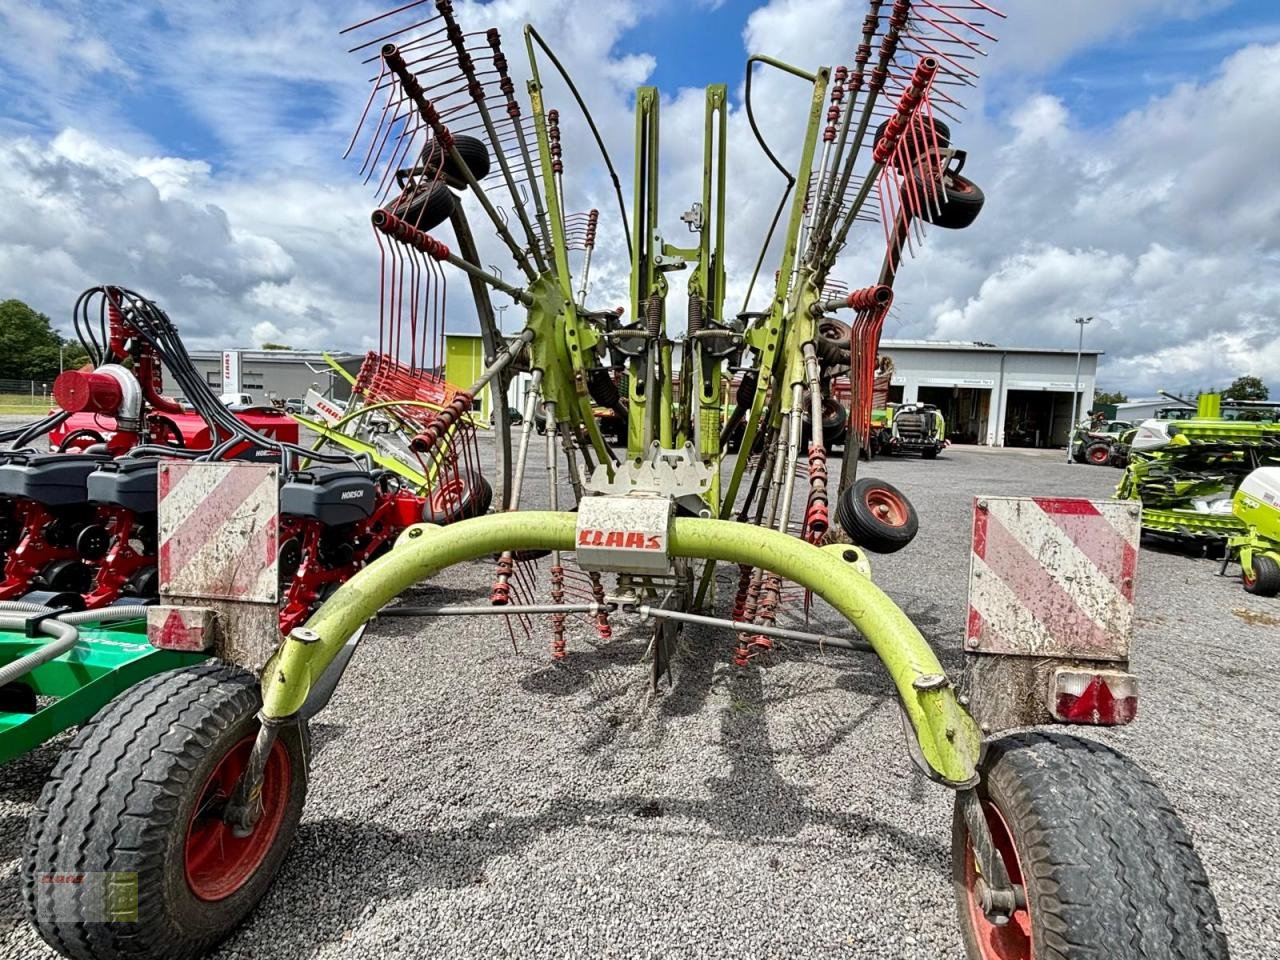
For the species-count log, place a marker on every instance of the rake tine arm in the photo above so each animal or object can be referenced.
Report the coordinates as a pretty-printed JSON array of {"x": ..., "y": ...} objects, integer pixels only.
[
  {"x": 477, "y": 92},
  {"x": 821, "y": 248},
  {"x": 413, "y": 90}
]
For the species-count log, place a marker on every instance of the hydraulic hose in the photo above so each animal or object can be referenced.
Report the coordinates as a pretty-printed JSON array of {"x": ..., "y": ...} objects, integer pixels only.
[{"x": 61, "y": 628}]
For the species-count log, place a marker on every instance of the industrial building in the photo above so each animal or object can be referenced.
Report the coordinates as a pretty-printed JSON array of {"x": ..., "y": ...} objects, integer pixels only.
[
  {"x": 997, "y": 396},
  {"x": 268, "y": 375}
]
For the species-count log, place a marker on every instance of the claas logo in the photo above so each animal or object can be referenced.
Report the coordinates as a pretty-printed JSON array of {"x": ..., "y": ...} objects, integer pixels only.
[{"x": 624, "y": 539}]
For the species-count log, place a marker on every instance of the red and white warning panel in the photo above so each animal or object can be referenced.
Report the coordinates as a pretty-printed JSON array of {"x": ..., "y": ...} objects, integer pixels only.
[
  {"x": 219, "y": 525},
  {"x": 1053, "y": 577}
]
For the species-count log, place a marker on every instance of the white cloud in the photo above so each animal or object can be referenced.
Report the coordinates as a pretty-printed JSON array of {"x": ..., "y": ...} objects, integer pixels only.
[{"x": 1161, "y": 225}]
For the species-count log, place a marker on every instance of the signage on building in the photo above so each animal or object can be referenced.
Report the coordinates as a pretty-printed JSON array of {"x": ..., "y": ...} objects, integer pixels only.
[
  {"x": 1042, "y": 384},
  {"x": 230, "y": 371},
  {"x": 958, "y": 382}
]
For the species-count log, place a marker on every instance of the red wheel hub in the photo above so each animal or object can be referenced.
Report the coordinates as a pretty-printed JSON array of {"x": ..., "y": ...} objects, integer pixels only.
[
  {"x": 887, "y": 506},
  {"x": 218, "y": 863},
  {"x": 1099, "y": 455},
  {"x": 448, "y": 495},
  {"x": 1013, "y": 940}
]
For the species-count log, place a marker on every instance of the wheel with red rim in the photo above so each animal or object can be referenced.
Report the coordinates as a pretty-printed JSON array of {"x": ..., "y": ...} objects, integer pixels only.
[
  {"x": 1264, "y": 581},
  {"x": 163, "y": 759},
  {"x": 1105, "y": 866},
  {"x": 877, "y": 515},
  {"x": 1098, "y": 454},
  {"x": 461, "y": 496}
]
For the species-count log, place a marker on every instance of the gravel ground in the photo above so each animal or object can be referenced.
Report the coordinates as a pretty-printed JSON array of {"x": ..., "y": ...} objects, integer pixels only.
[{"x": 471, "y": 800}]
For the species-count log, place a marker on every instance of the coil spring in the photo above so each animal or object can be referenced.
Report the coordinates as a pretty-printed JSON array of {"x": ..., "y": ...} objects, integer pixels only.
[
  {"x": 558, "y": 646},
  {"x": 653, "y": 316},
  {"x": 500, "y": 593},
  {"x": 744, "y": 584},
  {"x": 696, "y": 318},
  {"x": 603, "y": 629},
  {"x": 816, "y": 519}
]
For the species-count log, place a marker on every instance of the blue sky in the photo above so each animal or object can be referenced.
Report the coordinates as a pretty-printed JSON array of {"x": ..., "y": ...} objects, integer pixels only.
[{"x": 195, "y": 152}]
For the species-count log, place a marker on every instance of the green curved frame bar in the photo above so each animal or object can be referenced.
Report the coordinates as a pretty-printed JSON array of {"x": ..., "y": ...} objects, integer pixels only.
[{"x": 949, "y": 739}]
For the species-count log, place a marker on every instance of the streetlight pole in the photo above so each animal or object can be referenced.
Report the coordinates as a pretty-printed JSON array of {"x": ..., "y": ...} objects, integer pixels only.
[{"x": 1075, "y": 394}]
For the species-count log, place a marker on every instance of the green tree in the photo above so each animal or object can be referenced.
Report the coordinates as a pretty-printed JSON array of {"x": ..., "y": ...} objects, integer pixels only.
[
  {"x": 1246, "y": 388},
  {"x": 29, "y": 345},
  {"x": 276, "y": 346},
  {"x": 1103, "y": 397}
]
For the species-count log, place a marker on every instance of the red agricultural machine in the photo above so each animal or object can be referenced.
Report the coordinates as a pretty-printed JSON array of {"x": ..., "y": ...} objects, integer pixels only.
[{"x": 80, "y": 489}]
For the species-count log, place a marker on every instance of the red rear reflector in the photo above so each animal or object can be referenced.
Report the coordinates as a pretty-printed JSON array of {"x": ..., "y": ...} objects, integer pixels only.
[{"x": 1105, "y": 698}]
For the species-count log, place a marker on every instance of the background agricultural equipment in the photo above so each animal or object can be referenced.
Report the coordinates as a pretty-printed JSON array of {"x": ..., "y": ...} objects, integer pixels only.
[
  {"x": 1256, "y": 505},
  {"x": 79, "y": 526},
  {"x": 1186, "y": 472},
  {"x": 1096, "y": 443},
  {"x": 915, "y": 428},
  {"x": 444, "y": 136}
]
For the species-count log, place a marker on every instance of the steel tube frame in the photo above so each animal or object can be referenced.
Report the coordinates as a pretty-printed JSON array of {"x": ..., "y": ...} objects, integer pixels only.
[{"x": 949, "y": 738}]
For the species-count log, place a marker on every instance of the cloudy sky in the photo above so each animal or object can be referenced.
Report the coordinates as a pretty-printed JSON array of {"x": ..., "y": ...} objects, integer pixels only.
[{"x": 192, "y": 150}]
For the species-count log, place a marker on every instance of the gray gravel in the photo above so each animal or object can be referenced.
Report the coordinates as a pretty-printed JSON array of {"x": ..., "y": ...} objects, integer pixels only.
[{"x": 470, "y": 800}]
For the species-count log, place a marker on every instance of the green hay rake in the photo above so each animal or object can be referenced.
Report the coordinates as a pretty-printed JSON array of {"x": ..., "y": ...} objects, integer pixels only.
[{"x": 646, "y": 522}]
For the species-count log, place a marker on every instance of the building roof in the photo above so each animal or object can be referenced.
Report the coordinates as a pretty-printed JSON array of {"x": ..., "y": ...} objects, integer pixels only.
[
  {"x": 970, "y": 345},
  {"x": 296, "y": 356}
]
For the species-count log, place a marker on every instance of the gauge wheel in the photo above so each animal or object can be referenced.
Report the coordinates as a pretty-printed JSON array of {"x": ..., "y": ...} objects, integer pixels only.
[
  {"x": 136, "y": 803},
  {"x": 1106, "y": 867},
  {"x": 877, "y": 515},
  {"x": 1265, "y": 579}
]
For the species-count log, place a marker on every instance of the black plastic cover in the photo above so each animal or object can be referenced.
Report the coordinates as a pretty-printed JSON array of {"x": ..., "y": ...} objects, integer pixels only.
[
  {"x": 334, "y": 496},
  {"x": 55, "y": 479},
  {"x": 129, "y": 483}
]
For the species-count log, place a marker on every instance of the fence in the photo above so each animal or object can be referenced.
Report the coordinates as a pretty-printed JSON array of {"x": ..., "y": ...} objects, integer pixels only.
[{"x": 26, "y": 396}]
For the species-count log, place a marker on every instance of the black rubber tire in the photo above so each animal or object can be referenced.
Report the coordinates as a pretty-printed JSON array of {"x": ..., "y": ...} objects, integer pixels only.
[
  {"x": 472, "y": 500},
  {"x": 1109, "y": 868},
  {"x": 929, "y": 453},
  {"x": 473, "y": 152},
  {"x": 832, "y": 341},
  {"x": 1098, "y": 453},
  {"x": 857, "y": 511},
  {"x": 940, "y": 128},
  {"x": 426, "y": 209},
  {"x": 120, "y": 800},
  {"x": 1266, "y": 577},
  {"x": 964, "y": 202}
]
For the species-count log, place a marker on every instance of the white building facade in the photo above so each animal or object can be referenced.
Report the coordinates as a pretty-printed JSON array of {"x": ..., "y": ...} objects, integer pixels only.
[{"x": 997, "y": 396}]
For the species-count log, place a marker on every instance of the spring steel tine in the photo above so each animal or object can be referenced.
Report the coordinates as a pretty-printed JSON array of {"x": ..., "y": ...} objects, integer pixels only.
[
  {"x": 916, "y": 14},
  {"x": 377, "y": 131},
  {"x": 382, "y": 16},
  {"x": 376, "y": 148},
  {"x": 401, "y": 149},
  {"x": 513, "y": 111},
  {"x": 910, "y": 100},
  {"x": 445, "y": 7},
  {"x": 861, "y": 57},
  {"x": 414, "y": 91},
  {"x": 379, "y": 42},
  {"x": 971, "y": 25},
  {"x": 959, "y": 69},
  {"x": 821, "y": 247},
  {"x": 364, "y": 114}
]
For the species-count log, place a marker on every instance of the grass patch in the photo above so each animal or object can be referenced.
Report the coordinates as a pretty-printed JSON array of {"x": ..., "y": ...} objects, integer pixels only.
[{"x": 25, "y": 403}]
